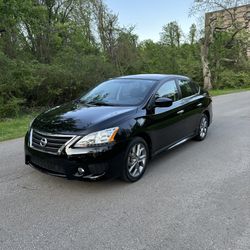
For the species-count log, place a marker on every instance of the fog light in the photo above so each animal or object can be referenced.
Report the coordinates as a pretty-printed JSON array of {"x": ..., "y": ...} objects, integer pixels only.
[{"x": 81, "y": 171}]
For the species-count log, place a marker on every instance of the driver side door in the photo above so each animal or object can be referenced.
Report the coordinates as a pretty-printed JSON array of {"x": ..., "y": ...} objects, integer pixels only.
[{"x": 166, "y": 125}]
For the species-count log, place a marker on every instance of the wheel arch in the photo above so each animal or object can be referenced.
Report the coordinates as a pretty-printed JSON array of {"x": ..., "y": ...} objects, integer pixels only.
[
  {"x": 206, "y": 112},
  {"x": 148, "y": 140}
]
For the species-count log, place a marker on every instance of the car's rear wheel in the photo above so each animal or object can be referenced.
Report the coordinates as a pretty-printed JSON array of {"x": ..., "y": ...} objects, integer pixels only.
[
  {"x": 203, "y": 128},
  {"x": 136, "y": 159}
]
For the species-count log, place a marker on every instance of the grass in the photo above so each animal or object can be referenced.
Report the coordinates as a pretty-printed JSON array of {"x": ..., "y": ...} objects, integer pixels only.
[
  {"x": 14, "y": 128},
  {"x": 215, "y": 92}
]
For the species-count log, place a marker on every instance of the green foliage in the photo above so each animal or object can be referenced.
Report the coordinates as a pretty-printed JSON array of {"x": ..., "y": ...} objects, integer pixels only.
[
  {"x": 192, "y": 34},
  {"x": 68, "y": 77},
  {"x": 161, "y": 58},
  {"x": 11, "y": 107},
  {"x": 16, "y": 83},
  {"x": 171, "y": 34},
  {"x": 231, "y": 79},
  {"x": 228, "y": 61},
  {"x": 52, "y": 51}
]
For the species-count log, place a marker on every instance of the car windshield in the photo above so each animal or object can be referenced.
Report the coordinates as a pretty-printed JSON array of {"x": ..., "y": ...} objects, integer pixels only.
[{"x": 120, "y": 92}]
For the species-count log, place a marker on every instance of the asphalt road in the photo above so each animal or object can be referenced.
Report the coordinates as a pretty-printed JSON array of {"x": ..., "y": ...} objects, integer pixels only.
[{"x": 196, "y": 196}]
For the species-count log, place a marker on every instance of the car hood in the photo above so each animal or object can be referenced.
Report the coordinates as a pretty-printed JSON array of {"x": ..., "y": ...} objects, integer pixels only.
[{"x": 78, "y": 118}]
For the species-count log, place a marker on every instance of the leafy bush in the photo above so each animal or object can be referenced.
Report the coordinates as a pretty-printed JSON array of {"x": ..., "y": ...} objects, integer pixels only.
[
  {"x": 11, "y": 108},
  {"x": 231, "y": 79},
  {"x": 67, "y": 78},
  {"x": 32, "y": 84}
]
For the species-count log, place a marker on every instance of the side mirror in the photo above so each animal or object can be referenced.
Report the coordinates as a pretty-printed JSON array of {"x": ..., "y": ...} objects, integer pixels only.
[{"x": 163, "y": 102}]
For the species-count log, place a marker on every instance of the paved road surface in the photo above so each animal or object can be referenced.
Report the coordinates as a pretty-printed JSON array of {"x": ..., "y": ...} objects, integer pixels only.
[{"x": 196, "y": 196}]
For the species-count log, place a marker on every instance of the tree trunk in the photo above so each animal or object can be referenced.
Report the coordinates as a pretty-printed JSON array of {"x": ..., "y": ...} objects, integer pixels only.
[{"x": 205, "y": 67}]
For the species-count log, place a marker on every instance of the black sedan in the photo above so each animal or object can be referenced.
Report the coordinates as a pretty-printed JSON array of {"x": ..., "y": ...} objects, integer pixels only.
[{"x": 118, "y": 126}]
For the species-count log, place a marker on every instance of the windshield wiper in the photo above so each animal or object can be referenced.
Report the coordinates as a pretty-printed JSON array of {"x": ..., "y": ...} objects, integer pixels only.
[{"x": 99, "y": 103}]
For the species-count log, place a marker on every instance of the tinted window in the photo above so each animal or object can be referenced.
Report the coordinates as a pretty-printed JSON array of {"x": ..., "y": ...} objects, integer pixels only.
[
  {"x": 168, "y": 90},
  {"x": 186, "y": 88},
  {"x": 119, "y": 92},
  {"x": 196, "y": 87}
]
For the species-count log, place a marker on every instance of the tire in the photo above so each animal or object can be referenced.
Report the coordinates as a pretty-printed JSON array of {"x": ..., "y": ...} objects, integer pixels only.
[
  {"x": 203, "y": 128},
  {"x": 135, "y": 160}
]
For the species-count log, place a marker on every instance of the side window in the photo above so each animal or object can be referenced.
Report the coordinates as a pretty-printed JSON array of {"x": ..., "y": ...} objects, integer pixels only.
[
  {"x": 196, "y": 87},
  {"x": 186, "y": 87},
  {"x": 169, "y": 90}
]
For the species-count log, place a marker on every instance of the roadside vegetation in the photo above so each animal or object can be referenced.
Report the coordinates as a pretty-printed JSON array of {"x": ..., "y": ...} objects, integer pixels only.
[
  {"x": 51, "y": 51},
  {"x": 216, "y": 92},
  {"x": 12, "y": 128}
]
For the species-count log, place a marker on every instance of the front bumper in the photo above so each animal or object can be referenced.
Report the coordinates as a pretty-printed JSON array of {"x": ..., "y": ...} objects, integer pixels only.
[{"x": 95, "y": 162}]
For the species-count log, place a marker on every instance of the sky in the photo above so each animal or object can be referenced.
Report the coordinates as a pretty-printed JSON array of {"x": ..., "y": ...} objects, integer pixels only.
[{"x": 149, "y": 16}]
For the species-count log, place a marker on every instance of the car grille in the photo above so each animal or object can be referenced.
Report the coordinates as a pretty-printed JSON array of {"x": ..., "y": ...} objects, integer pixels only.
[{"x": 48, "y": 143}]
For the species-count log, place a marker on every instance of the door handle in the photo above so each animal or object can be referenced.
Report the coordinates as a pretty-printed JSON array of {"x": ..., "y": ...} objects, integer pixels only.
[
  {"x": 199, "y": 105},
  {"x": 180, "y": 112}
]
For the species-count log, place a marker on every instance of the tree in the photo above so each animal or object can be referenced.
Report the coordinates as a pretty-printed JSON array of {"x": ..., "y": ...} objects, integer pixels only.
[
  {"x": 126, "y": 51},
  {"x": 192, "y": 34},
  {"x": 107, "y": 26},
  {"x": 213, "y": 25},
  {"x": 171, "y": 34}
]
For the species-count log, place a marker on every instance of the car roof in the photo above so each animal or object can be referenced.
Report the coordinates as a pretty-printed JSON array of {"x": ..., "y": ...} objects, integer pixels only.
[{"x": 156, "y": 77}]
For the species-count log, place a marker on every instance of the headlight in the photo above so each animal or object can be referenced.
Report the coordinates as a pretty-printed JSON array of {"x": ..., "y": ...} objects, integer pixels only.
[{"x": 97, "y": 138}]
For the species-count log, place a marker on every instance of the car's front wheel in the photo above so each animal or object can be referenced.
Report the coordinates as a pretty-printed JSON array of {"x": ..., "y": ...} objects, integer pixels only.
[
  {"x": 203, "y": 128},
  {"x": 136, "y": 159}
]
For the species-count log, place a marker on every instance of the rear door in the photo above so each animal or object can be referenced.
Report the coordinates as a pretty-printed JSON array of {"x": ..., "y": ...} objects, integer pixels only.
[{"x": 192, "y": 103}]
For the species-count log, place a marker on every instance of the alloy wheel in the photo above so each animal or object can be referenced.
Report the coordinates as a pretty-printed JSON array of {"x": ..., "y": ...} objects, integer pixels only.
[
  {"x": 203, "y": 127},
  {"x": 137, "y": 159}
]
